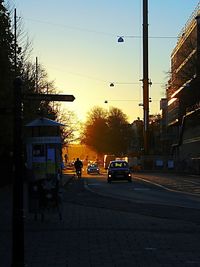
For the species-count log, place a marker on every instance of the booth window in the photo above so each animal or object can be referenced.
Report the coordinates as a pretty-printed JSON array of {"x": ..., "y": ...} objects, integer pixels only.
[{"x": 38, "y": 150}]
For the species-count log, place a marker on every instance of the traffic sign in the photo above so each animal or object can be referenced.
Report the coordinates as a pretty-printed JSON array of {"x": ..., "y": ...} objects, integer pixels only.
[{"x": 49, "y": 97}]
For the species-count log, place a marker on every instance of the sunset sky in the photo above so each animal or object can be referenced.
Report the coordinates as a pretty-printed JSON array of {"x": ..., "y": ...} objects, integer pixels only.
[{"x": 76, "y": 42}]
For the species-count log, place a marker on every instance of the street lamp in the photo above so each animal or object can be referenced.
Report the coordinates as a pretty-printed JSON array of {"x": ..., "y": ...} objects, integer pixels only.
[{"x": 120, "y": 39}]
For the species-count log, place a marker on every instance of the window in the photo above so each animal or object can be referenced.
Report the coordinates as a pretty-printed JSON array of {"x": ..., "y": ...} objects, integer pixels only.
[{"x": 38, "y": 150}]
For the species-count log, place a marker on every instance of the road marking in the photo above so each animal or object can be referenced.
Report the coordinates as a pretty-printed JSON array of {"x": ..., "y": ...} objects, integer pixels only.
[
  {"x": 196, "y": 183},
  {"x": 165, "y": 187}
]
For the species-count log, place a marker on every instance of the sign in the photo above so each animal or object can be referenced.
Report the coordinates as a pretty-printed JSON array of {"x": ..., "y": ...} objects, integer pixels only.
[{"x": 49, "y": 97}]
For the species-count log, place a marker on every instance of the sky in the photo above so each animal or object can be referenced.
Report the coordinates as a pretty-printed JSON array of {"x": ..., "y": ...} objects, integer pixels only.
[{"x": 76, "y": 42}]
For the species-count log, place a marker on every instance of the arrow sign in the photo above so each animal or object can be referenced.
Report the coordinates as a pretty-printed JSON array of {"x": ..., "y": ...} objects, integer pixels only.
[{"x": 49, "y": 97}]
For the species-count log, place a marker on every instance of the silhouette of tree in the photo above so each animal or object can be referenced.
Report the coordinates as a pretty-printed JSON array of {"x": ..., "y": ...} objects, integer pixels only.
[
  {"x": 7, "y": 72},
  {"x": 107, "y": 132},
  {"x": 95, "y": 130}
]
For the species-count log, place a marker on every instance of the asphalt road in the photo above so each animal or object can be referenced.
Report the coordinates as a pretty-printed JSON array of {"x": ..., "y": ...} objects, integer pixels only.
[
  {"x": 141, "y": 196},
  {"x": 170, "y": 217},
  {"x": 158, "y": 189},
  {"x": 118, "y": 224}
]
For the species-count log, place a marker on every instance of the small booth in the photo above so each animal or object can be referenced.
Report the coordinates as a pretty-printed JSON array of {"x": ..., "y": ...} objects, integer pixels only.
[
  {"x": 44, "y": 155},
  {"x": 44, "y": 148}
]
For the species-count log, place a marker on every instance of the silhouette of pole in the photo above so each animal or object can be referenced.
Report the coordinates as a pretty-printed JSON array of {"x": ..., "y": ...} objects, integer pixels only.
[
  {"x": 145, "y": 78},
  {"x": 18, "y": 211},
  {"x": 15, "y": 40}
]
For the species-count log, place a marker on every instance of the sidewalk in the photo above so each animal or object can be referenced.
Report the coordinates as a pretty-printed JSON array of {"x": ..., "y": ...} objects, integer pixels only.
[
  {"x": 6, "y": 220},
  {"x": 98, "y": 235}
]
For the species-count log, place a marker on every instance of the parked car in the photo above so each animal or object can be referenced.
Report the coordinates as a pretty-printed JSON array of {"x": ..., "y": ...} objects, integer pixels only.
[
  {"x": 93, "y": 168},
  {"x": 119, "y": 170}
]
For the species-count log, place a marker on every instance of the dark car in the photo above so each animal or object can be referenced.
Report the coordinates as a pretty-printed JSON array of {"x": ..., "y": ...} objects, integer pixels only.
[
  {"x": 119, "y": 170},
  {"x": 93, "y": 168}
]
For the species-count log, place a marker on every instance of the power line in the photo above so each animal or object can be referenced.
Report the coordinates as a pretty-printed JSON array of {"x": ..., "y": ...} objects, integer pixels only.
[
  {"x": 70, "y": 27},
  {"x": 97, "y": 32},
  {"x": 153, "y": 37}
]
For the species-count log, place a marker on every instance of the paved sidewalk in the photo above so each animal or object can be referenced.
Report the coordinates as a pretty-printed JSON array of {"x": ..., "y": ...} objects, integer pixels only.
[{"x": 93, "y": 233}]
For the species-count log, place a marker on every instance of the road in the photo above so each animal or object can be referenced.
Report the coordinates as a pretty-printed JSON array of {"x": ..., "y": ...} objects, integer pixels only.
[
  {"x": 162, "y": 189},
  {"x": 165, "y": 212},
  {"x": 120, "y": 224}
]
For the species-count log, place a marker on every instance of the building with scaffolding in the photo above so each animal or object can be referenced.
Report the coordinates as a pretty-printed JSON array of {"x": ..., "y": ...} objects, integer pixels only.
[{"x": 183, "y": 96}]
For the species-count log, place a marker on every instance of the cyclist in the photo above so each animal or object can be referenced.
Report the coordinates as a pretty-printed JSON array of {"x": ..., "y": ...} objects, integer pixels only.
[{"x": 78, "y": 166}]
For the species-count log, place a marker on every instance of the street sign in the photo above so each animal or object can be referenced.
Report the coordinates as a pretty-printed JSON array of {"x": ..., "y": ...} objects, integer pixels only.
[{"x": 49, "y": 97}]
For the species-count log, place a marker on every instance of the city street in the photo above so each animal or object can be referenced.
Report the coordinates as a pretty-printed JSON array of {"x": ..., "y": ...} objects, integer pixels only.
[
  {"x": 163, "y": 189},
  {"x": 104, "y": 228},
  {"x": 100, "y": 139}
]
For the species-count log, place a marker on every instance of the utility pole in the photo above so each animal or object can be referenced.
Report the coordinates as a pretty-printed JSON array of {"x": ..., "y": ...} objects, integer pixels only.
[
  {"x": 15, "y": 40},
  {"x": 145, "y": 78},
  {"x": 18, "y": 211}
]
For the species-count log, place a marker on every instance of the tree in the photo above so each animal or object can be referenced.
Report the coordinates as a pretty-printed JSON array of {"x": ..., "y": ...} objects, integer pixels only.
[
  {"x": 107, "y": 132},
  {"x": 14, "y": 58},
  {"x": 7, "y": 68},
  {"x": 95, "y": 130},
  {"x": 71, "y": 126},
  {"x": 137, "y": 143},
  {"x": 120, "y": 132},
  {"x": 155, "y": 134},
  {"x": 37, "y": 108}
]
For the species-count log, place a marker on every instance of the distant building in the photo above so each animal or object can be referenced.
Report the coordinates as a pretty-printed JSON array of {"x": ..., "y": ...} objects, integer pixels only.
[
  {"x": 183, "y": 96},
  {"x": 83, "y": 152}
]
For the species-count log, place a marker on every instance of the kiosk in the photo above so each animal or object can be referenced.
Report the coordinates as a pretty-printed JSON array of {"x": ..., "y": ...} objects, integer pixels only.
[
  {"x": 44, "y": 157},
  {"x": 44, "y": 148}
]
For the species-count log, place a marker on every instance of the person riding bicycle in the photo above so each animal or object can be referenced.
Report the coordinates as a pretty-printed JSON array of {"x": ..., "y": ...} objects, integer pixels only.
[{"x": 78, "y": 166}]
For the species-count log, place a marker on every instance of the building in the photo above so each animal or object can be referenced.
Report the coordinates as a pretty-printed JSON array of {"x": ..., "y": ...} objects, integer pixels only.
[
  {"x": 73, "y": 151},
  {"x": 183, "y": 96}
]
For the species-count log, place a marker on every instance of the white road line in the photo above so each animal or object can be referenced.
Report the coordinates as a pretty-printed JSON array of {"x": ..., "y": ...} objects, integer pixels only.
[
  {"x": 164, "y": 187},
  {"x": 196, "y": 183}
]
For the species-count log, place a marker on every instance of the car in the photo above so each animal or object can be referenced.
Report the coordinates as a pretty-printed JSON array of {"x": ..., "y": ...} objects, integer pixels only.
[
  {"x": 119, "y": 170},
  {"x": 93, "y": 168}
]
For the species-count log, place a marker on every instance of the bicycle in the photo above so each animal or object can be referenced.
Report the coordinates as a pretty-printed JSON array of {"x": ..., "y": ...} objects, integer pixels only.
[{"x": 78, "y": 173}]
